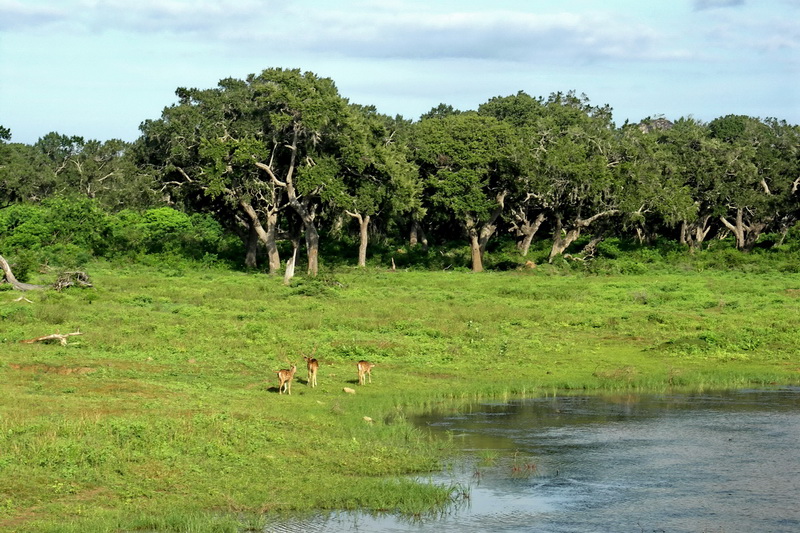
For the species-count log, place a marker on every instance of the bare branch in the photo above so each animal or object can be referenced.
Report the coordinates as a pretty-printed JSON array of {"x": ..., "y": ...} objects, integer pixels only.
[
  {"x": 586, "y": 221},
  {"x": 184, "y": 174},
  {"x": 270, "y": 173},
  {"x": 62, "y": 338}
]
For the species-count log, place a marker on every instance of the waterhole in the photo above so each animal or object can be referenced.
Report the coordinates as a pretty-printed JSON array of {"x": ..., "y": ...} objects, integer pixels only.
[{"x": 727, "y": 462}]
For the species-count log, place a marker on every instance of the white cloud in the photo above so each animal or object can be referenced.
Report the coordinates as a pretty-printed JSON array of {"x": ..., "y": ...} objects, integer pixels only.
[
  {"x": 405, "y": 56},
  {"x": 16, "y": 16},
  {"x": 700, "y": 5},
  {"x": 391, "y": 30},
  {"x": 496, "y": 35}
]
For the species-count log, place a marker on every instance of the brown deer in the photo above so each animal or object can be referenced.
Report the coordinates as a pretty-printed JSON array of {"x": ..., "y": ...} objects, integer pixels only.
[
  {"x": 364, "y": 370},
  {"x": 285, "y": 377},
  {"x": 312, "y": 365}
]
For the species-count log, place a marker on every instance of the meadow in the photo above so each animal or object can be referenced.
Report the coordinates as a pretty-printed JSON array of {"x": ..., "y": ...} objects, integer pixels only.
[{"x": 164, "y": 414}]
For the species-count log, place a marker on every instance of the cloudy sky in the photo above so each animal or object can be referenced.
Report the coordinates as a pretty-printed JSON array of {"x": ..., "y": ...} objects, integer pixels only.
[{"x": 98, "y": 68}]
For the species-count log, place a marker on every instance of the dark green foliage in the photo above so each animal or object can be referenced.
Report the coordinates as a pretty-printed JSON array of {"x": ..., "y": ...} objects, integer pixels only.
[
  {"x": 253, "y": 164},
  {"x": 71, "y": 231}
]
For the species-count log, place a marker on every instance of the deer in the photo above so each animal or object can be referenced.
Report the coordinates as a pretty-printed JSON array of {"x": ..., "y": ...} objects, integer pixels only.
[
  {"x": 364, "y": 371},
  {"x": 312, "y": 365},
  {"x": 285, "y": 377}
]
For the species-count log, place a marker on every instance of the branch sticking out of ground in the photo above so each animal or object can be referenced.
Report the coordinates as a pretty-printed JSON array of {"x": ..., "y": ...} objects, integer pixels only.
[{"x": 60, "y": 337}]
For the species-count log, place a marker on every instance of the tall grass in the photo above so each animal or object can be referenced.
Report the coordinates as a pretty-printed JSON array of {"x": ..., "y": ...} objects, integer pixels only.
[{"x": 164, "y": 414}]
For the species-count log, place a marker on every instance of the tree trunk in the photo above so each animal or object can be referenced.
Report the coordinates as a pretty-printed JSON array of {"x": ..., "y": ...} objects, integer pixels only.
[
  {"x": 289, "y": 274},
  {"x": 312, "y": 249},
  {"x": 273, "y": 256},
  {"x": 9, "y": 277},
  {"x": 479, "y": 235},
  {"x": 563, "y": 238},
  {"x": 475, "y": 249},
  {"x": 300, "y": 207},
  {"x": 417, "y": 236},
  {"x": 268, "y": 236},
  {"x": 250, "y": 260},
  {"x": 746, "y": 234},
  {"x": 363, "y": 235},
  {"x": 693, "y": 234},
  {"x": 528, "y": 229},
  {"x": 737, "y": 228},
  {"x": 413, "y": 237}
]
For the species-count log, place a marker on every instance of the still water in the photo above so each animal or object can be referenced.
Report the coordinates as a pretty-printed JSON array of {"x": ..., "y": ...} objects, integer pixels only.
[{"x": 669, "y": 463}]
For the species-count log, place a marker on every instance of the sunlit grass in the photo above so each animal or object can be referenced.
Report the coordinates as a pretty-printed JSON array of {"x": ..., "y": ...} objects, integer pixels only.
[{"x": 164, "y": 414}]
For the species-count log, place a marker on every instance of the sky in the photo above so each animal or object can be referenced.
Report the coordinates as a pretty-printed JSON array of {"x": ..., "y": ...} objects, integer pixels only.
[{"x": 99, "y": 68}]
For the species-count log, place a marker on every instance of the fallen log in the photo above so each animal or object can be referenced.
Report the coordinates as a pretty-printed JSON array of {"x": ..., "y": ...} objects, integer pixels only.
[
  {"x": 60, "y": 337},
  {"x": 65, "y": 279},
  {"x": 9, "y": 277}
]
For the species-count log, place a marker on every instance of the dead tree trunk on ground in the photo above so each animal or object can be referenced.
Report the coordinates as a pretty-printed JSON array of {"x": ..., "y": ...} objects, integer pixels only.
[{"x": 8, "y": 276}]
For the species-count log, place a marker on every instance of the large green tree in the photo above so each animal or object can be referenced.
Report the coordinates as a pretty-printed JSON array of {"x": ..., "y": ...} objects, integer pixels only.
[
  {"x": 657, "y": 200},
  {"x": 687, "y": 154},
  {"x": 468, "y": 167},
  {"x": 525, "y": 212},
  {"x": 755, "y": 193},
  {"x": 376, "y": 174},
  {"x": 571, "y": 155},
  {"x": 262, "y": 145}
]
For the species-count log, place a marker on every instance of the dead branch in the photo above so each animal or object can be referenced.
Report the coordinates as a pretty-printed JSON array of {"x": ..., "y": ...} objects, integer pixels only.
[
  {"x": 72, "y": 279},
  {"x": 8, "y": 276},
  {"x": 60, "y": 337}
]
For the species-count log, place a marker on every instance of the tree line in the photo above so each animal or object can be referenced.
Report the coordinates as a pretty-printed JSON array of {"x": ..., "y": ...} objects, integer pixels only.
[{"x": 281, "y": 157}]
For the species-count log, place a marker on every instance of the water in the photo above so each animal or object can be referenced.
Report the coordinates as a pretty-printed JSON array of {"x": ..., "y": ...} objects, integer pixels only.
[{"x": 669, "y": 463}]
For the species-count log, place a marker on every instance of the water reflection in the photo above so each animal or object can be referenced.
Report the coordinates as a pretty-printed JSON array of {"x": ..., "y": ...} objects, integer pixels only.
[{"x": 674, "y": 463}]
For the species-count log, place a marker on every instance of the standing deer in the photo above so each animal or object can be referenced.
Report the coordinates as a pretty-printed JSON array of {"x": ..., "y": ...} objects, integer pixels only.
[
  {"x": 364, "y": 370},
  {"x": 285, "y": 377},
  {"x": 312, "y": 365}
]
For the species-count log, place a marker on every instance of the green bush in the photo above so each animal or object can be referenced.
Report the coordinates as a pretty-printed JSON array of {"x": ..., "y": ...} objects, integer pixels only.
[
  {"x": 165, "y": 229},
  {"x": 78, "y": 221},
  {"x": 23, "y": 227}
]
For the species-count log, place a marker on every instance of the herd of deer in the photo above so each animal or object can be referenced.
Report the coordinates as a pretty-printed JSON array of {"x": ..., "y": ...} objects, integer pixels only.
[{"x": 286, "y": 376}]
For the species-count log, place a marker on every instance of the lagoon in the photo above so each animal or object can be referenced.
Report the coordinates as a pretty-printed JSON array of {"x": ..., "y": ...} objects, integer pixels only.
[{"x": 705, "y": 462}]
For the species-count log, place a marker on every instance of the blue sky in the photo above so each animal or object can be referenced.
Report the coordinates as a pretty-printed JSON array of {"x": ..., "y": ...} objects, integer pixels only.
[{"x": 98, "y": 68}]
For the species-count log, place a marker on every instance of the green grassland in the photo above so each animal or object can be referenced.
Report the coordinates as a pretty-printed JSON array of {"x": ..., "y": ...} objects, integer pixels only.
[{"x": 164, "y": 414}]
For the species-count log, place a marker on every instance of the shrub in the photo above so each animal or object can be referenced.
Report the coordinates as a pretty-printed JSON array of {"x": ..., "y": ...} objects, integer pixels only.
[{"x": 78, "y": 221}]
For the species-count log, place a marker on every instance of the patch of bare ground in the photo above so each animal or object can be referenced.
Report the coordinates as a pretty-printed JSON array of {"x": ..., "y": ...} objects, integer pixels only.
[{"x": 49, "y": 369}]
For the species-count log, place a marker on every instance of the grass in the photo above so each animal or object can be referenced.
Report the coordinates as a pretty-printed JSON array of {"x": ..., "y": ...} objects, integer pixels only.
[{"x": 164, "y": 415}]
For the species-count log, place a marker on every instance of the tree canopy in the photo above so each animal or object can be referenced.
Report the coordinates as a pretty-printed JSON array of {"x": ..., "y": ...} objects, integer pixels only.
[{"x": 280, "y": 157}]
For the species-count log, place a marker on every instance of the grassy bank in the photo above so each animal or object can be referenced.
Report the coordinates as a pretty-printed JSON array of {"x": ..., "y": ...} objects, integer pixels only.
[{"x": 164, "y": 414}]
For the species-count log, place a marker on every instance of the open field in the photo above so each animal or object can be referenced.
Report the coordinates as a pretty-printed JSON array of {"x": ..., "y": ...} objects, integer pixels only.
[{"x": 165, "y": 414}]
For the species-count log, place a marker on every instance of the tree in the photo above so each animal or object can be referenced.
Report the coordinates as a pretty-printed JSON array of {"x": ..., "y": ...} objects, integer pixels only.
[
  {"x": 260, "y": 144},
  {"x": 524, "y": 113},
  {"x": 571, "y": 151},
  {"x": 657, "y": 198},
  {"x": 686, "y": 151},
  {"x": 376, "y": 173},
  {"x": 467, "y": 167},
  {"x": 303, "y": 114},
  {"x": 753, "y": 182},
  {"x": 192, "y": 147},
  {"x": 778, "y": 161}
]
